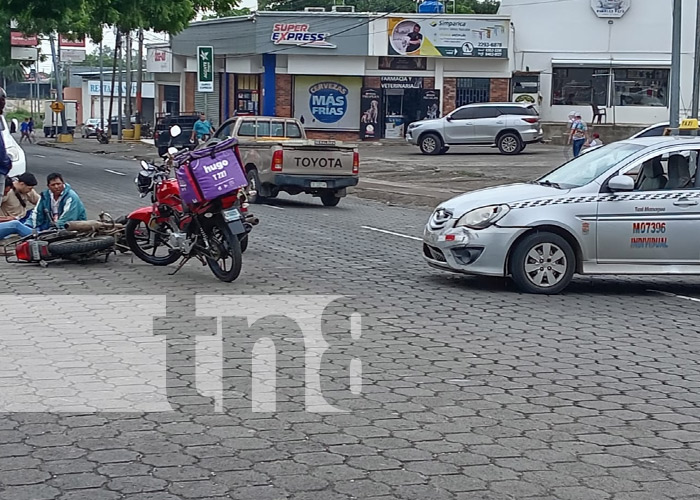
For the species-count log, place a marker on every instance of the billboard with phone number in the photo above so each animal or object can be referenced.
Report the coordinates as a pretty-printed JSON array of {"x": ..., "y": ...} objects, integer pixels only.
[{"x": 445, "y": 37}]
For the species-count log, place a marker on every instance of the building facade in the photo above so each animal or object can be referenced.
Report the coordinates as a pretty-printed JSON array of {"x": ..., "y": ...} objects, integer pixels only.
[
  {"x": 614, "y": 54},
  {"x": 344, "y": 75}
]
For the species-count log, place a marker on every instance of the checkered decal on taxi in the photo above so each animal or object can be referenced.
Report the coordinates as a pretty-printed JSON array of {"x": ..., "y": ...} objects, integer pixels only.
[{"x": 663, "y": 195}]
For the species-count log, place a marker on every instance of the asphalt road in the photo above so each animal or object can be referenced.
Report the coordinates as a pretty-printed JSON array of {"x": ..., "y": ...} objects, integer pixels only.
[{"x": 469, "y": 390}]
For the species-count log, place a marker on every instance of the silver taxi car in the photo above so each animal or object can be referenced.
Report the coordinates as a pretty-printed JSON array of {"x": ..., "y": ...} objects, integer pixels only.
[{"x": 630, "y": 207}]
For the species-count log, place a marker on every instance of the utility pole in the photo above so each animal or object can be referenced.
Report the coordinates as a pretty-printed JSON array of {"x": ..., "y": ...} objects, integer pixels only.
[
  {"x": 139, "y": 84},
  {"x": 120, "y": 110},
  {"x": 102, "y": 90},
  {"x": 128, "y": 79},
  {"x": 696, "y": 66},
  {"x": 59, "y": 83},
  {"x": 675, "y": 90},
  {"x": 111, "y": 90}
]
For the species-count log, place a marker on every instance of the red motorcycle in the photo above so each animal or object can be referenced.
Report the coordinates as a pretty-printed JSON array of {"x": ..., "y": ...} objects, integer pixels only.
[{"x": 188, "y": 218}]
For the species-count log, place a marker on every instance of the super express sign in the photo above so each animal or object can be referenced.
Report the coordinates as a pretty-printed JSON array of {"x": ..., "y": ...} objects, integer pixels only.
[{"x": 299, "y": 34}]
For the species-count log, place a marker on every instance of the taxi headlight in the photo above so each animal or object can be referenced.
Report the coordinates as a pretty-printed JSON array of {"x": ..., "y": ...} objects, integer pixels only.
[
  {"x": 483, "y": 217},
  {"x": 13, "y": 153}
]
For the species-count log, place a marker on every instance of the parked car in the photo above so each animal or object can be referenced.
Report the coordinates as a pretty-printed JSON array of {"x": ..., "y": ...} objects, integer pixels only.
[
  {"x": 657, "y": 130},
  {"x": 278, "y": 157},
  {"x": 14, "y": 151},
  {"x": 90, "y": 127},
  {"x": 509, "y": 126},
  {"x": 630, "y": 207},
  {"x": 161, "y": 136}
]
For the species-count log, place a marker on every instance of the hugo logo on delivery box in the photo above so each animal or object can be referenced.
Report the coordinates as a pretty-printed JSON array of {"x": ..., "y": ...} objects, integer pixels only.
[{"x": 219, "y": 165}]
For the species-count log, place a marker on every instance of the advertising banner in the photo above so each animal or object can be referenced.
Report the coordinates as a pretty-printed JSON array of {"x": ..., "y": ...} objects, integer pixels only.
[
  {"x": 430, "y": 105},
  {"x": 301, "y": 35},
  {"x": 205, "y": 69},
  {"x": 327, "y": 102},
  {"x": 64, "y": 41},
  {"x": 18, "y": 39},
  {"x": 610, "y": 8},
  {"x": 159, "y": 60},
  {"x": 371, "y": 106},
  {"x": 401, "y": 82},
  {"x": 72, "y": 55},
  {"x": 445, "y": 37}
]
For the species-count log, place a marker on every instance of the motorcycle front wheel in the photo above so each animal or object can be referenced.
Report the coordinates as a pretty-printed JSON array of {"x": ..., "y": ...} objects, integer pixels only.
[
  {"x": 138, "y": 237},
  {"x": 227, "y": 257}
]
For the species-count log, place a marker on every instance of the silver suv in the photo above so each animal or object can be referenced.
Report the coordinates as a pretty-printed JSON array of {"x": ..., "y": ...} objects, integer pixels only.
[{"x": 510, "y": 126}]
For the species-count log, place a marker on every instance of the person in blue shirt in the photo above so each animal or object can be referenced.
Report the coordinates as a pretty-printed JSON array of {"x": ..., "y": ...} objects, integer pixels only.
[
  {"x": 201, "y": 128},
  {"x": 24, "y": 129},
  {"x": 58, "y": 205}
]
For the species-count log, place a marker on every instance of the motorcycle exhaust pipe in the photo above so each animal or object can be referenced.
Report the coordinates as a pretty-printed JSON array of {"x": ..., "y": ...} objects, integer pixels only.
[{"x": 251, "y": 219}]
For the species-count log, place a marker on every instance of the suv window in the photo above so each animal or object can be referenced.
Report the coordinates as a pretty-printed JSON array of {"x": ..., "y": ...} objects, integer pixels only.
[
  {"x": 293, "y": 131},
  {"x": 487, "y": 112},
  {"x": 519, "y": 110},
  {"x": 464, "y": 114}
]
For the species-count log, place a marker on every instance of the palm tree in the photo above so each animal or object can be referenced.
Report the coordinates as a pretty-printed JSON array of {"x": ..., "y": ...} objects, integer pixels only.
[{"x": 12, "y": 73}]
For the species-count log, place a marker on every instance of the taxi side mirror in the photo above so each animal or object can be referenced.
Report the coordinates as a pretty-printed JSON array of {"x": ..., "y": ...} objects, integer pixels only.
[{"x": 621, "y": 183}]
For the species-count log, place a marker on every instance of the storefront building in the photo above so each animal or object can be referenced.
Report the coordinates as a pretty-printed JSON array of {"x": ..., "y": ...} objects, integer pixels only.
[
  {"x": 343, "y": 75},
  {"x": 611, "y": 54}
]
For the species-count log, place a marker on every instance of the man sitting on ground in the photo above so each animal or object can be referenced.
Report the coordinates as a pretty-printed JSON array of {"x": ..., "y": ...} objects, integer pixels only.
[{"x": 58, "y": 205}]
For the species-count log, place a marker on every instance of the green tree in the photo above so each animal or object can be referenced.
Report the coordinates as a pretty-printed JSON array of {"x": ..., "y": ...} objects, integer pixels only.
[
  {"x": 243, "y": 11},
  {"x": 89, "y": 16}
]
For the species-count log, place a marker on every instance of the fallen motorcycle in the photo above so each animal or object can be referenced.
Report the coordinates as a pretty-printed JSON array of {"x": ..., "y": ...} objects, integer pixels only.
[
  {"x": 79, "y": 241},
  {"x": 199, "y": 215}
]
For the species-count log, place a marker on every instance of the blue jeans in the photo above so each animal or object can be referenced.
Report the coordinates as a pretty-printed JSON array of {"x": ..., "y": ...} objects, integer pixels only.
[
  {"x": 578, "y": 144},
  {"x": 14, "y": 227}
]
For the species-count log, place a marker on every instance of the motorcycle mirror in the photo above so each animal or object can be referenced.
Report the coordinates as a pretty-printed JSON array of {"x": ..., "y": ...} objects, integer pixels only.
[
  {"x": 172, "y": 151},
  {"x": 144, "y": 165},
  {"x": 175, "y": 130}
]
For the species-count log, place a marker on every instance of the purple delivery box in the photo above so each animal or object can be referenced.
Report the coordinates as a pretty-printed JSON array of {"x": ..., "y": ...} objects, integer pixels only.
[{"x": 209, "y": 173}]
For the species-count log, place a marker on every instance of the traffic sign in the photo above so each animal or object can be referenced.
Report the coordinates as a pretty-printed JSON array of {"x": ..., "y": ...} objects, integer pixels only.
[{"x": 57, "y": 107}]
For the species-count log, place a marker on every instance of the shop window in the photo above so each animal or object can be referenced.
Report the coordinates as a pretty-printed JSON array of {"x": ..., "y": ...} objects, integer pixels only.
[
  {"x": 473, "y": 90},
  {"x": 247, "y": 129},
  {"x": 641, "y": 87},
  {"x": 526, "y": 84},
  {"x": 580, "y": 86},
  {"x": 293, "y": 131},
  {"x": 403, "y": 63}
]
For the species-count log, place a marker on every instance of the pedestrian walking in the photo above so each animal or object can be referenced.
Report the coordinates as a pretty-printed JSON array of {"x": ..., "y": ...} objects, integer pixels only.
[
  {"x": 31, "y": 128},
  {"x": 578, "y": 135},
  {"x": 24, "y": 130}
]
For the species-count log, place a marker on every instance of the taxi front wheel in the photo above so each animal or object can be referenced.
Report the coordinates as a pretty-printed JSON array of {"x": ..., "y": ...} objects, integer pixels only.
[{"x": 543, "y": 263}]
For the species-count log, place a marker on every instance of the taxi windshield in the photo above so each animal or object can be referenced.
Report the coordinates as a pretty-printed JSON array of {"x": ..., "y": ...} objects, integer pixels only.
[{"x": 589, "y": 166}]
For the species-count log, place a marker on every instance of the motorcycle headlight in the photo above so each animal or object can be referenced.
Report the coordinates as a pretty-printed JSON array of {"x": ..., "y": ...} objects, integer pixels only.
[
  {"x": 481, "y": 218},
  {"x": 13, "y": 153}
]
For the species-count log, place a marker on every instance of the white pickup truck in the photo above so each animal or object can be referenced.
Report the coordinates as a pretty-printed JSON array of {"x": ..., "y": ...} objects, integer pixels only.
[{"x": 278, "y": 157}]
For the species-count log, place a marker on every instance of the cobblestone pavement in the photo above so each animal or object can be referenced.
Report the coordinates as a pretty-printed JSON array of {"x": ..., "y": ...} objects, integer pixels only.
[{"x": 470, "y": 390}]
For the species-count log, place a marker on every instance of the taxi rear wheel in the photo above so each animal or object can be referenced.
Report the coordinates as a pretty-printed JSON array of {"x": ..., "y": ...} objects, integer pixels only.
[{"x": 543, "y": 263}]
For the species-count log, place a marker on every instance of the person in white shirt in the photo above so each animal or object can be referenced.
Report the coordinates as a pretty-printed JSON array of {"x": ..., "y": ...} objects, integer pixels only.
[{"x": 596, "y": 141}]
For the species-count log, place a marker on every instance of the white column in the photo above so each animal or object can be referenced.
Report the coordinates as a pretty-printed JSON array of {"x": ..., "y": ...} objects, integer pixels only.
[{"x": 439, "y": 79}]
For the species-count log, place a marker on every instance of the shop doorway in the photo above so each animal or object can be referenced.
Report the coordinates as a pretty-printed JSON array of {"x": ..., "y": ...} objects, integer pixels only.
[{"x": 402, "y": 106}]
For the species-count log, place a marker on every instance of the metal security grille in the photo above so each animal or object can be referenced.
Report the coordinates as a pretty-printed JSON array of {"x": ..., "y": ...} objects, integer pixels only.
[
  {"x": 212, "y": 102},
  {"x": 471, "y": 90}
]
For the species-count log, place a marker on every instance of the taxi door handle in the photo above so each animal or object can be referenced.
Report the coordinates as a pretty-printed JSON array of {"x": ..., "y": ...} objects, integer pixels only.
[{"x": 685, "y": 202}]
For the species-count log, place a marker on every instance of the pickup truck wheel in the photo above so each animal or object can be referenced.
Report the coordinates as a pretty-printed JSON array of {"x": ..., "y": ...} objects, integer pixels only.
[
  {"x": 329, "y": 199},
  {"x": 509, "y": 144},
  {"x": 431, "y": 144},
  {"x": 254, "y": 185}
]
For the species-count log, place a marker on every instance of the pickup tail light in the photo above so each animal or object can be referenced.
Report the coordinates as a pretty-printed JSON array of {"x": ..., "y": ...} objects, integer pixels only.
[
  {"x": 356, "y": 163},
  {"x": 531, "y": 120},
  {"x": 277, "y": 161}
]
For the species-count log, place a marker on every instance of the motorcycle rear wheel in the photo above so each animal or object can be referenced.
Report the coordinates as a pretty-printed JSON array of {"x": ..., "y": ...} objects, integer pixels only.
[
  {"x": 229, "y": 247},
  {"x": 80, "y": 246},
  {"x": 139, "y": 244}
]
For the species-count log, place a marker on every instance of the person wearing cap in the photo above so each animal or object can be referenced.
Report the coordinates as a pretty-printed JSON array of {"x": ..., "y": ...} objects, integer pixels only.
[
  {"x": 20, "y": 198},
  {"x": 5, "y": 162},
  {"x": 578, "y": 135}
]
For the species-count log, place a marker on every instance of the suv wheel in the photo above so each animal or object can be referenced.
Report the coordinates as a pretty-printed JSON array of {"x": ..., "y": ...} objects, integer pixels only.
[
  {"x": 510, "y": 144},
  {"x": 431, "y": 144},
  {"x": 543, "y": 263}
]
